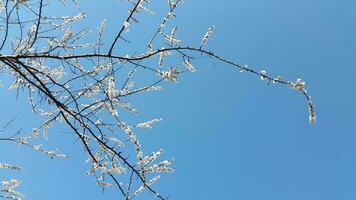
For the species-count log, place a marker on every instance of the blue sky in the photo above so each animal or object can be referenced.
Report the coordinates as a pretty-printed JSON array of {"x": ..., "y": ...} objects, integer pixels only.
[{"x": 232, "y": 136}]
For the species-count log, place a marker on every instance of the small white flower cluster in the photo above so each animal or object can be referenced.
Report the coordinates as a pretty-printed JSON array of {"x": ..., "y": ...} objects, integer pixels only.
[
  {"x": 171, "y": 38},
  {"x": 8, "y": 187},
  {"x": 106, "y": 167},
  {"x": 149, "y": 159},
  {"x": 244, "y": 68},
  {"x": 58, "y": 72},
  {"x": 16, "y": 84},
  {"x": 85, "y": 138},
  {"x": 158, "y": 168},
  {"x": 147, "y": 10},
  {"x": 298, "y": 85},
  {"x": 65, "y": 20},
  {"x": 35, "y": 132},
  {"x": 71, "y": 19},
  {"x": 45, "y": 126},
  {"x": 8, "y": 166},
  {"x": 172, "y": 4},
  {"x": 136, "y": 143},
  {"x": 104, "y": 184},
  {"x": 118, "y": 142},
  {"x": 263, "y": 75},
  {"x": 67, "y": 36},
  {"x": 189, "y": 66},
  {"x": 126, "y": 26},
  {"x": 24, "y": 140},
  {"x": 277, "y": 79},
  {"x": 147, "y": 184},
  {"x": 148, "y": 124},
  {"x": 154, "y": 88},
  {"x": 312, "y": 115},
  {"x": 50, "y": 153},
  {"x": 171, "y": 74},
  {"x": 207, "y": 36},
  {"x": 126, "y": 106},
  {"x": 111, "y": 89},
  {"x": 101, "y": 28}
]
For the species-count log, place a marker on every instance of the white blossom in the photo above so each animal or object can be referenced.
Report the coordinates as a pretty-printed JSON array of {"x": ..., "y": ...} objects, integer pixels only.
[
  {"x": 148, "y": 124},
  {"x": 8, "y": 166},
  {"x": 149, "y": 183},
  {"x": 207, "y": 36},
  {"x": 277, "y": 79},
  {"x": 263, "y": 75},
  {"x": 111, "y": 89},
  {"x": 171, "y": 74},
  {"x": 189, "y": 66},
  {"x": 126, "y": 26}
]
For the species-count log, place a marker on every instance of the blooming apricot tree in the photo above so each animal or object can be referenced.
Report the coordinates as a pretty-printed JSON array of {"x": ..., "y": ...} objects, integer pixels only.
[{"x": 85, "y": 86}]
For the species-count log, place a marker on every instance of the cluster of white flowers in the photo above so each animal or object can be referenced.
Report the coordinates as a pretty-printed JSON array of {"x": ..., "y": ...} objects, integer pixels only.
[
  {"x": 35, "y": 132},
  {"x": 45, "y": 126},
  {"x": 104, "y": 184},
  {"x": 148, "y": 159},
  {"x": 189, "y": 66},
  {"x": 126, "y": 26},
  {"x": 141, "y": 90},
  {"x": 277, "y": 79},
  {"x": 71, "y": 19},
  {"x": 58, "y": 72},
  {"x": 298, "y": 85},
  {"x": 244, "y": 68},
  {"x": 126, "y": 106},
  {"x": 147, "y": 184},
  {"x": 68, "y": 34},
  {"x": 207, "y": 36},
  {"x": 171, "y": 15},
  {"x": 147, "y": 10},
  {"x": 111, "y": 89},
  {"x": 263, "y": 75},
  {"x": 106, "y": 163},
  {"x": 101, "y": 28},
  {"x": 16, "y": 84},
  {"x": 171, "y": 38},
  {"x": 173, "y": 3},
  {"x": 312, "y": 117},
  {"x": 50, "y": 153},
  {"x": 8, "y": 166},
  {"x": 118, "y": 142},
  {"x": 136, "y": 143},
  {"x": 8, "y": 188},
  {"x": 24, "y": 140},
  {"x": 157, "y": 168},
  {"x": 148, "y": 124},
  {"x": 171, "y": 74}
]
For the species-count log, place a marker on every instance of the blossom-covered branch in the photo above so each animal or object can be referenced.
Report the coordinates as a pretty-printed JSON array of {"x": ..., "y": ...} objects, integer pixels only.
[{"x": 77, "y": 83}]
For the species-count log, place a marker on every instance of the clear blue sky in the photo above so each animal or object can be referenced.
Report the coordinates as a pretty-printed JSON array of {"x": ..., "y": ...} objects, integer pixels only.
[{"x": 232, "y": 136}]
